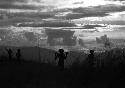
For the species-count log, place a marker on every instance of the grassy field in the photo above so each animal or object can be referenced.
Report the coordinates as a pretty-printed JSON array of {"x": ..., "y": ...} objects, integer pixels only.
[{"x": 108, "y": 71}]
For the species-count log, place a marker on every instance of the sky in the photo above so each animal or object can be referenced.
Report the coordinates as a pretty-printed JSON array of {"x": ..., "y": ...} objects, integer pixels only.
[
  {"x": 16, "y": 11},
  {"x": 38, "y": 14}
]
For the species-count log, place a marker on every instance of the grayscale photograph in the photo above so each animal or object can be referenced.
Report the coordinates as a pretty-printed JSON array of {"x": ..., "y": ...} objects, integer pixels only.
[{"x": 62, "y": 43}]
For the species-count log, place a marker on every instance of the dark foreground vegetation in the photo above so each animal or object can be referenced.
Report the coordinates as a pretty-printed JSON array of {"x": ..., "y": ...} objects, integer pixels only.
[{"x": 108, "y": 71}]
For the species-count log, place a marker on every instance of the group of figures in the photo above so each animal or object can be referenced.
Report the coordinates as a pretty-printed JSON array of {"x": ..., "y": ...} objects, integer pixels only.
[
  {"x": 18, "y": 54},
  {"x": 61, "y": 55}
]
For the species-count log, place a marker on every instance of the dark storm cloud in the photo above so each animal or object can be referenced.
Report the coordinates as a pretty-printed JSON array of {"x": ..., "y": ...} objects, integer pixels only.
[
  {"x": 95, "y": 11},
  {"x": 10, "y": 4},
  {"x": 15, "y": 18},
  {"x": 78, "y": 2},
  {"x": 11, "y": 1},
  {"x": 82, "y": 15},
  {"x": 40, "y": 15},
  {"x": 47, "y": 24}
]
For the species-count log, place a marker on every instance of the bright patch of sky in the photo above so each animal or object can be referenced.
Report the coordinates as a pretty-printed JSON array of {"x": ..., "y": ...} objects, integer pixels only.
[{"x": 69, "y": 3}]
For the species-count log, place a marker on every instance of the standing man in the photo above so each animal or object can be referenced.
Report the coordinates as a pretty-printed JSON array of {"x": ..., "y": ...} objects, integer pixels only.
[
  {"x": 61, "y": 55},
  {"x": 91, "y": 60},
  {"x": 18, "y": 55},
  {"x": 9, "y": 51}
]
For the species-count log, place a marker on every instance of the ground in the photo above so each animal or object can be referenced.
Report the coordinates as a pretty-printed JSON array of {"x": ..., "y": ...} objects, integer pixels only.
[{"x": 33, "y": 74}]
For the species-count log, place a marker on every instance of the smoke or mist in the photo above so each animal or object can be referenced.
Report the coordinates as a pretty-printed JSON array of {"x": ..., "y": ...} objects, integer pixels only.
[
  {"x": 60, "y": 37},
  {"x": 104, "y": 40}
]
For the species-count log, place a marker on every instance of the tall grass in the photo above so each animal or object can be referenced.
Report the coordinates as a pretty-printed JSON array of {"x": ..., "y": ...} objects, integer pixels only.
[{"x": 108, "y": 71}]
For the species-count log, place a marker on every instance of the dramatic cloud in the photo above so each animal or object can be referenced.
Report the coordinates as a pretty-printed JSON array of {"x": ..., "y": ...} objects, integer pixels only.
[
  {"x": 47, "y": 24},
  {"x": 12, "y": 1},
  {"x": 95, "y": 11},
  {"x": 10, "y": 6},
  {"x": 14, "y": 18},
  {"x": 13, "y": 4},
  {"x": 12, "y": 11},
  {"x": 82, "y": 15},
  {"x": 78, "y": 2},
  {"x": 23, "y": 4},
  {"x": 117, "y": 1},
  {"x": 49, "y": 4}
]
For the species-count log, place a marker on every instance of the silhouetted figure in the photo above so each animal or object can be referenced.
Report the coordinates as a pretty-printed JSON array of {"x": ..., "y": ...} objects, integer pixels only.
[
  {"x": 91, "y": 59},
  {"x": 61, "y": 55},
  {"x": 18, "y": 55},
  {"x": 9, "y": 51}
]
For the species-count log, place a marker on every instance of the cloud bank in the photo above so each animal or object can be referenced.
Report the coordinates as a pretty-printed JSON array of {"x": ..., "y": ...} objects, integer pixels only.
[{"x": 16, "y": 11}]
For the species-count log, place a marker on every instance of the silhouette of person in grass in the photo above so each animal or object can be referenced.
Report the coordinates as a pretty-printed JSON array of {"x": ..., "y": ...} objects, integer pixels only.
[
  {"x": 61, "y": 55},
  {"x": 18, "y": 55},
  {"x": 9, "y": 51},
  {"x": 91, "y": 59}
]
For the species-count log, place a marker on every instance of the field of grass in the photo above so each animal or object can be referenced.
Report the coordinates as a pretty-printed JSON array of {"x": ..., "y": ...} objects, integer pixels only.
[{"x": 108, "y": 71}]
